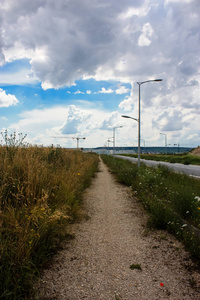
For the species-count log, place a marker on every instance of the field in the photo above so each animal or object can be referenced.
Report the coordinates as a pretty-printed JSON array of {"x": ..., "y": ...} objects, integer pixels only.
[
  {"x": 40, "y": 195},
  {"x": 171, "y": 199}
]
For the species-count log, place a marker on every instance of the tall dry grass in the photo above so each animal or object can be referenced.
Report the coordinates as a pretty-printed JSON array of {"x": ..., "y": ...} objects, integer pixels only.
[{"x": 40, "y": 193}]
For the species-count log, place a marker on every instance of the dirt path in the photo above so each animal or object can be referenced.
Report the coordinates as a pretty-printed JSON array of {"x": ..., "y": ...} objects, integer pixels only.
[{"x": 96, "y": 264}]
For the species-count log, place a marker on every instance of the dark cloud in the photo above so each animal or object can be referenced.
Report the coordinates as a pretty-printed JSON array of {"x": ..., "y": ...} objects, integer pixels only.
[{"x": 71, "y": 39}]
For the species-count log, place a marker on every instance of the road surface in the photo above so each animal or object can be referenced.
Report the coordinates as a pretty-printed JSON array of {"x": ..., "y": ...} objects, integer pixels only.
[{"x": 192, "y": 170}]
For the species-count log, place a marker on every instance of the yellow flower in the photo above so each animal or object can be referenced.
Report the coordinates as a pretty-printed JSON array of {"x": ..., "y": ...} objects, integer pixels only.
[
  {"x": 198, "y": 207},
  {"x": 79, "y": 174}
]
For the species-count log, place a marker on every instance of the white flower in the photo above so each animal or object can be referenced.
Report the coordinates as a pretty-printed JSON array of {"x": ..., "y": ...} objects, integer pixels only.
[
  {"x": 197, "y": 198},
  {"x": 184, "y": 225}
]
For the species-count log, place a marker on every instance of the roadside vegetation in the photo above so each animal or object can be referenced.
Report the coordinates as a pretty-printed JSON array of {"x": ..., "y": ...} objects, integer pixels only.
[
  {"x": 186, "y": 159},
  {"x": 172, "y": 199},
  {"x": 40, "y": 195}
]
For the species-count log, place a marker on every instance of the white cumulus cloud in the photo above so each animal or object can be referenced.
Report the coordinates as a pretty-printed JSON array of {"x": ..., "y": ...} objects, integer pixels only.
[
  {"x": 7, "y": 100},
  {"x": 105, "y": 91}
]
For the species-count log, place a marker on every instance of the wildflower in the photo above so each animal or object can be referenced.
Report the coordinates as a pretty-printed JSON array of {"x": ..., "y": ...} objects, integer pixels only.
[
  {"x": 184, "y": 225},
  {"x": 197, "y": 198},
  {"x": 79, "y": 174},
  {"x": 161, "y": 284},
  {"x": 198, "y": 207}
]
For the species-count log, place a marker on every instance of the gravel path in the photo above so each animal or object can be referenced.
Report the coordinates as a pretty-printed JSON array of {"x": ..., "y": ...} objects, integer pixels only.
[{"x": 96, "y": 264}]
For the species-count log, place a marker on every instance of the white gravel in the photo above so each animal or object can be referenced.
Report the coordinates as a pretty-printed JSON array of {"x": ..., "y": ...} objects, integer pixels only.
[{"x": 96, "y": 264}]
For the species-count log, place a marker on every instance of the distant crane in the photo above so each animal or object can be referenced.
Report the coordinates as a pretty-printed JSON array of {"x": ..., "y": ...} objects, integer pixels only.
[{"x": 67, "y": 137}]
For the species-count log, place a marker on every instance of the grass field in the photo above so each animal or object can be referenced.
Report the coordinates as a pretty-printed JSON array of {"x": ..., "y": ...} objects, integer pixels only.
[
  {"x": 40, "y": 194},
  {"x": 172, "y": 199}
]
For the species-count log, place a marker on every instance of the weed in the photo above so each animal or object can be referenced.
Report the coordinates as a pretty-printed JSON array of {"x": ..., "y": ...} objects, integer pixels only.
[
  {"x": 135, "y": 266},
  {"x": 118, "y": 297},
  {"x": 40, "y": 194},
  {"x": 192, "y": 282}
]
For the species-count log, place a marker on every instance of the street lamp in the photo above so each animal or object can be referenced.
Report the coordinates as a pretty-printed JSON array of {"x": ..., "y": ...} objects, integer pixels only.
[
  {"x": 144, "y": 143},
  {"x": 128, "y": 117},
  {"x": 114, "y": 138},
  {"x": 165, "y": 142},
  {"x": 109, "y": 141},
  {"x": 139, "y": 121}
]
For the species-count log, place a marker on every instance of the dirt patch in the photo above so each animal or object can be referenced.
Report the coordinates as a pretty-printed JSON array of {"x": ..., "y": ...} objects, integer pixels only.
[
  {"x": 196, "y": 151},
  {"x": 100, "y": 263}
]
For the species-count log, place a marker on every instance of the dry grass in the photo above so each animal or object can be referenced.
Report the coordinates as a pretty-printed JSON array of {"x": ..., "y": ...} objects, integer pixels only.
[{"x": 40, "y": 193}]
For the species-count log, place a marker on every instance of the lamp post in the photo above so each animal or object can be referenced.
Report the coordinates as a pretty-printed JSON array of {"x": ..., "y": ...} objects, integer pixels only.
[
  {"x": 165, "y": 142},
  {"x": 139, "y": 121},
  {"x": 108, "y": 143},
  {"x": 144, "y": 143},
  {"x": 114, "y": 138},
  {"x": 128, "y": 117}
]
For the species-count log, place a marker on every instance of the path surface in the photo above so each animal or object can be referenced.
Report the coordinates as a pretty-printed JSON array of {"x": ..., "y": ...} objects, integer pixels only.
[{"x": 96, "y": 264}]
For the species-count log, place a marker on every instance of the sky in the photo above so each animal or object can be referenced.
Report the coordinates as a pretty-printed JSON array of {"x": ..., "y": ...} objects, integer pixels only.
[{"x": 69, "y": 69}]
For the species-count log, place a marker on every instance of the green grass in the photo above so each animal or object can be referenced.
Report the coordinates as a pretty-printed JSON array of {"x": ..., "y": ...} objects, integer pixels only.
[
  {"x": 185, "y": 159},
  {"x": 40, "y": 195},
  {"x": 169, "y": 197},
  {"x": 135, "y": 267}
]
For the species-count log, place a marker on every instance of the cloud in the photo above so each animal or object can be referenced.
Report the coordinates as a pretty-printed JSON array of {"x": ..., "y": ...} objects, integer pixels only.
[
  {"x": 147, "y": 32},
  {"x": 104, "y": 91},
  {"x": 38, "y": 120},
  {"x": 69, "y": 40},
  {"x": 193, "y": 136},
  {"x": 129, "y": 102},
  {"x": 23, "y": 76},
  {"x": 111, "y": 121},
  {"x": 170, "y": 120},
  {"x": 43, "y": 124},
  {"x": 122, "y": 90},
  {"x": 3, "y": 118},
  {"x": 78, "y": 92},
  {"x": 7, "y": 100},
  {"x": 88, "y": 92},
  {"x": 126, "y": 41},
  {"x": 74, "y": 119}
]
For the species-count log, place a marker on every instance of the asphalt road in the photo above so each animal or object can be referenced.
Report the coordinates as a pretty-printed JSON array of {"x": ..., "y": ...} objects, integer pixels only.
[{"x": 191, "y": 170}]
